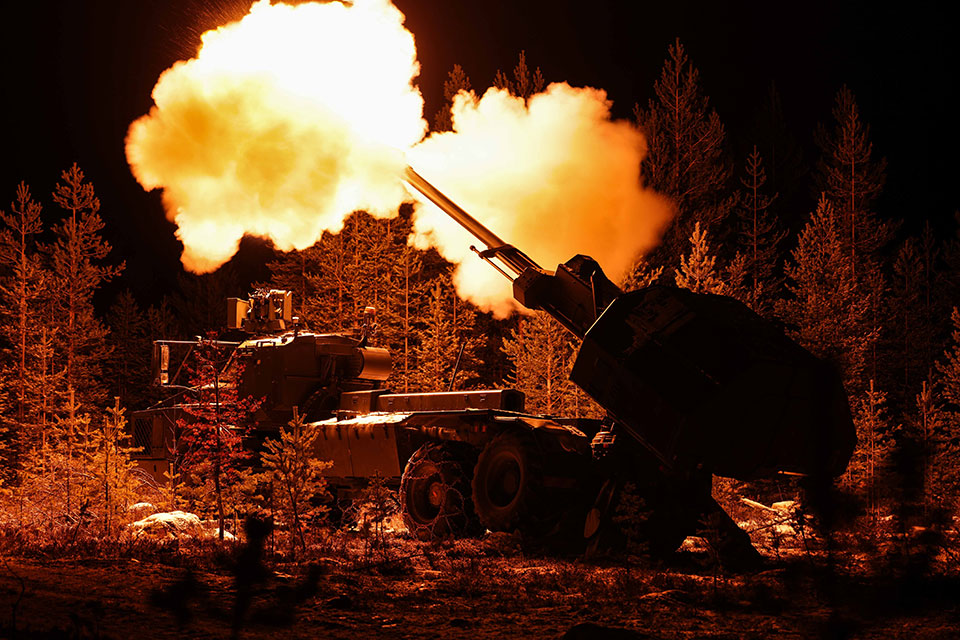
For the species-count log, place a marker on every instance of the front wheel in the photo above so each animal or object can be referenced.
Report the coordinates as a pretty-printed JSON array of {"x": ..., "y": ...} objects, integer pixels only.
[{"x": 435, "y": 492}]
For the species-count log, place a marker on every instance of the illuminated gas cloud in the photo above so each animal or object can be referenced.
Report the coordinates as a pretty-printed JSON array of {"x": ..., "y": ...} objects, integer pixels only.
[{"x": 294, "y": 117}]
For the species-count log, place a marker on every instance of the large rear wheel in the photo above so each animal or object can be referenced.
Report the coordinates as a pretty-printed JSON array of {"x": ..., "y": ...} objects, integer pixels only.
[
  {"x": 435, "y": 492},
  {"x": 506, "y": 481}
]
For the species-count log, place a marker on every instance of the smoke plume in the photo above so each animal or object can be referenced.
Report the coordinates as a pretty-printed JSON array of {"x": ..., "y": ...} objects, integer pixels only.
[
  {"x": 292, "y": 118},
  {"x": 284, "y": 123},
  {"x": 554, "y": 176}
]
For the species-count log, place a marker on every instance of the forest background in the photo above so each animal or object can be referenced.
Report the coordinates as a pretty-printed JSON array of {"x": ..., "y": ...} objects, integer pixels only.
[{"x": 798, "y": 238}]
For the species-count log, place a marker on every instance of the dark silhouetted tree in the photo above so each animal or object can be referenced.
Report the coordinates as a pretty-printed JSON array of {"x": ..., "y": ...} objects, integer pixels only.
[
  {"x": 524, "y": 83},
  {"x": 129, "y": 361},
  {"x": 456, "y": 82},
  {"x": 759, "y": 236}
]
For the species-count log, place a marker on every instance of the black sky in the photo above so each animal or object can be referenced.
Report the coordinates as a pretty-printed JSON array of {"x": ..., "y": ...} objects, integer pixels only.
[{"x": 75, "y": 74}]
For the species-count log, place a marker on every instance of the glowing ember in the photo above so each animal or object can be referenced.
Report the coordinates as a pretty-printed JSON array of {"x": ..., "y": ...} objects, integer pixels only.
[{"x": 294, "y": 117}]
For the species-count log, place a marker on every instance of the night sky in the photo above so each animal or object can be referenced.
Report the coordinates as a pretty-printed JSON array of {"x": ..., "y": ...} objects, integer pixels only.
[{"x": 75, "y": 74}]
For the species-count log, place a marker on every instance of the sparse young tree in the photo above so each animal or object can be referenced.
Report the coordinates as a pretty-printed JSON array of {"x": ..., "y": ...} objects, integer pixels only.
[
  {"x": 698, "y": 269},
  {"x": 295, "y": 474},
  {"x": 875, "y": 441},
  {"x": 686, "y": 159}
]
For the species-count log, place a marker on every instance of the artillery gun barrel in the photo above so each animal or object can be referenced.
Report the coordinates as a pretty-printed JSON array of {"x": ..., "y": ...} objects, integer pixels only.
[{"x": 513, "y": 258}]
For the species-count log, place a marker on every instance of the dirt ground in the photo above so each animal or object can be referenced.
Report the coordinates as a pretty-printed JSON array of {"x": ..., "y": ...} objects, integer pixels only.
[{"x": 468, "y": 589}]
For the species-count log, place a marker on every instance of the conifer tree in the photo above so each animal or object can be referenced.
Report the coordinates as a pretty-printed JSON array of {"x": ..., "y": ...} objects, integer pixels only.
[
  {"x": 783, "y": 154},
  {"x": 295, "y": 474},
  {"x": 116, "y": 468},
  {"x": 293, "y": 271},
  {"x": 539, "y": 351},
  {"x": 160, "y": 321},
  {"x": 641, "y": 275},
  {"x": 875, "y": 441},
  {"x": 686, "y": 159},
  {"x": 77, "y": 271},
  {"x": 524, "y": 83},
  {"x": 457, "y": 81},
  {"x": 129, "y": 362},
  {"x": 759, "y": 235},
  {"x": 698, "y": 269},
  {"x": 22, "y": 280},
  {"x": 911, "y": 329},
  {"x": 203, "y": 299},
  {"x": 852, "y": 179},
  {"x": 408, "y": 272},
  {"x": 446, "y": 324},
  {"x": 825, "y": 308}
]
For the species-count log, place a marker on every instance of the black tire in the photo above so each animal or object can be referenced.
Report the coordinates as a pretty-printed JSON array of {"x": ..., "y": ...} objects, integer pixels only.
[
  {"x": 507, "y": 482},
  {"x": 435, "y": 492}
]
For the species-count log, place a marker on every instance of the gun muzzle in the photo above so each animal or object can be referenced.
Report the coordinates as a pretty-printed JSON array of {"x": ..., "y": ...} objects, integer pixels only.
[{"x": 514, "y": 259}]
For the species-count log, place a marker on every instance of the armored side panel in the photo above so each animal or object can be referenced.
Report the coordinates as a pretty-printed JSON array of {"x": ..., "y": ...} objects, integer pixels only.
[{"x": 701, "y": 379}]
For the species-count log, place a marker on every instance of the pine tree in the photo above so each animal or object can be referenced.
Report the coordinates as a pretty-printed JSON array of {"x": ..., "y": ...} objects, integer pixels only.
[
  {"x": 160, "y": 321},
  {"x": 698, "y": 269},
  {"x": 523, "y": 84},
  {"x": 910, "y": 330},
  {"x": 875, "y": 442},
  {"x": 783, "y": 153},
  {"x": 77, "y": 271},
  {"x": 129, "y": 364},
  {"x": 201, "y": 300},
  {"x": 445, "y": 325},
  {"x": 852, "y": 179},
  {"x": 293, "y": 271},
  {"x": 295, "y": 474},
  {"x": 456, "y": 82},
  {"x": 759, "y": 235},
  {"x": 116, "y": 468},
  {"x": 22, "y": 288},
  {"x": 408, "y": 272},
  {"x": 825, "y": 307},
  {"x": 686, "y": 159},
  {"x": 641, "y": 275},
  {"x": 539, "y": 351}
]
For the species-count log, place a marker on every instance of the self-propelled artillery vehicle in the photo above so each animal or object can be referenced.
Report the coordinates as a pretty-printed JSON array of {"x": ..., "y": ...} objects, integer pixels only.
[
  {"x": 462, "y": 460},
  {"x": 693, "y": 385}
]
